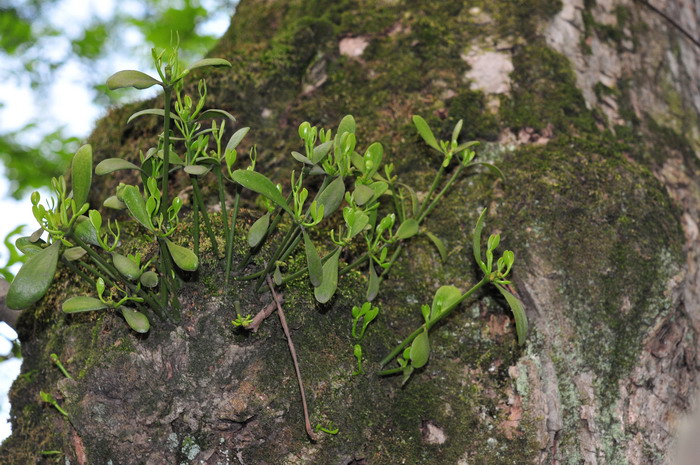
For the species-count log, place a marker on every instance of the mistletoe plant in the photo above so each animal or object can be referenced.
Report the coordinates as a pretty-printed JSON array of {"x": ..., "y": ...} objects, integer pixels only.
[{"x": 448, "y": 298}]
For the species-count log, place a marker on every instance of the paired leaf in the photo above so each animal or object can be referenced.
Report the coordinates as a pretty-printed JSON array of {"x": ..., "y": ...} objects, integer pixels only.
[
  {"x": 257, "y": 231},
  {"x": 408, "y": 229},
  {"x": 81, "y": 174},
  {"x": 126, "y": 267},
  {"x": 183, "y": 257},
  {"x": 131, "y": 196},
  {"x": 209, "y": 62},
  {"x": 34, "y": 278},
  {"x": 476, "y": 240},
  {"x": 329, "y": 284},
  {"x": 313, "y": 262},
  {"x": 521, "y": 325},
  {"x": 27, "y": 247},
  {"x": 347, "y": 124},
  {"x": 257, "y": 182},
  {"x": 373, "y": 284},
  {"x": 83, "y": 304},
  {"x": 149, "y": 279},
  {"x": 420, "y": 350},
  {"x": 444, "y": 298},
  {"x": 439, "y": 244},
  {"x": 136, "y": 320},
  {"x": 114, "y": 164},
  {"x": 425, "y": 132},
  {"x": 332, "y": 196},
  {"x": 152, "y": 111},
  {"x": 236, "y": 138},
  {"x": 131, "y": 78}
]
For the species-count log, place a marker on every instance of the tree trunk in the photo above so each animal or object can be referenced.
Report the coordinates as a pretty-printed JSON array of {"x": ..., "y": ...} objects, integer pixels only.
[{"x": 591, "y": 108}]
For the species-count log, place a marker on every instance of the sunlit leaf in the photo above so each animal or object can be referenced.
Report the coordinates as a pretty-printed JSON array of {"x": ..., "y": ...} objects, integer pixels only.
[
  {"x": 521, "y": 325},
  {"x": 209, "y": 62},
  {"x": 82, "y": 304},
  {"x": 131, "y": 78},
  {"x": 126, "y": 266},
  {"x": 332, "y": 196},
  {"x": 408, "y": 229},
  {"x": 325, "y": 291},
  {"x": 81, "y": 174},
  {"x": 257, "y": 231},
  {"x": 149, "y": 279},
  {"x": 259, "y": 183},
  {"x": 183, "y": 257},
  {"x": 425, "y": 132},
  {"x": 420, "y": 350},
  {"x": 114, "y": 164},
  {"x": 444, "y": 297},
  {"x": 136, "y": 320},
  {"x": 34, "y": 278}
]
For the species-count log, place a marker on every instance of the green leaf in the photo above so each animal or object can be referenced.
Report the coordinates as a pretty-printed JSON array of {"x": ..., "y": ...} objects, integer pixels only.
[
  {"x": 209, "y": 62},
  {"x": 85, "y": 231},
  {"x": 131, "y": 196},
  {"x": 362, "y": 194},
  {"x": 83, "y": 304},
  {"x": 149, "y": 279},
  {"x": 197, "y": 170},
  {"x": 347, "y": 124},
  {"x": 521, "y": 326},
  {"x": 373, "y": 284},
  {"x": 27, "y": 247},
  {"x": 332, "y": 196},
  {"x": 457, "y": 130},
  {"x": 81, "y": 174},
  {"x": 126, "y": 267},
  {"x": 408, "y": 228},
  {"x": 476, "y": 240},
  {"x": 136, "y": 320},
  {"x": 73, "y": 253},
  {"x": 325, "y": 291},
  {"x": 236, "y": 138},
  {"x": 442, "y": 250},
  {"x": 151, "y": 111},
  {"x": 320, "y": 152},
  {"x": 216, "y": 113},
  {"x": 114, "y": 164},
  {"x": 301, "y": 158},
  {"x": 257, "y": 182},
  {"x": 277, "y": 276},
  {"x": 495, "y": 169},
  {"x": 425, "y": 132},
  {"x": 257, "y": 231},
  {"x": 114, "y": 203},
  {"x": 34, "y": 278},
  {"x": 131, "y": 78},
  {"x": 420, "y": 350},
  {"x": 313, "y": 262},
  {"x": 444, "y": 298},
  {"x": 183, "y": 257}
]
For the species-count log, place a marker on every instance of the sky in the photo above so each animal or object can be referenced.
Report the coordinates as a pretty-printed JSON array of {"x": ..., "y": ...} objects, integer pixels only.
[{"x": 69, "y": 103}]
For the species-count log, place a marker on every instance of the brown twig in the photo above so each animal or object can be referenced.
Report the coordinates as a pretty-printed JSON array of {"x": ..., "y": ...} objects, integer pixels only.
[
  {"x": 261, "y": 316},
  {"x": 292, "y": 351}
]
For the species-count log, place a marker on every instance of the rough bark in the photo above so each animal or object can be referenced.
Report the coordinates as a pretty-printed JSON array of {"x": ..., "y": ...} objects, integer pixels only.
[{"x": 591, "y": 108}]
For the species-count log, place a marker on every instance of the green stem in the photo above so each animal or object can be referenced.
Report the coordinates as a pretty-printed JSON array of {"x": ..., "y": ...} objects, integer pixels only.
[
  {"x": 195, "y": 227},
  {"x": 433, "y": 188},
  {"x": 288, "y": 240},
  {"x": 167, "y": 97},
  {"x": 363, "y": 258},
  {"x": 79, "y": 272},
  {"x": 205, "y": 215},
  {"x": 426, "y": 326},
  {"x": 222, "y": 201},
  {"x": 229, "y": 243},
  {"x": 304, "y": 269},
  {"x": 392, "y": 260},
  {"x": 391, "y": 371},
  {"x": 437, "y": 198}
]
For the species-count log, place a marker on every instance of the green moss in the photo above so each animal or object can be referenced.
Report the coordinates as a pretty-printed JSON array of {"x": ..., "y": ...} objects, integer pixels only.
[{"x": 479, "y": 123}]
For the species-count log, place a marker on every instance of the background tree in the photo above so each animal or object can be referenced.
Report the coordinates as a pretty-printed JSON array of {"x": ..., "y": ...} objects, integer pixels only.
[{"x": 591, "y": 109}]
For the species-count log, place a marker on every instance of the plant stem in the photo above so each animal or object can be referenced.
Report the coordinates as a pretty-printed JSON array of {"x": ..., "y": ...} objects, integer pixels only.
[
  {"x": 195, "y": 227},
  {"x": 292, "y": 351},
  {"x": 164, "y": 186},
  {"x": 205, "y": 215},
  {"x": 426, "y": 326},
  {"x": 79, "y": 272},
  {"x": 229, "y": 243},
  {"x": 433, "y": 187},
  {"x": 222, "y": 201},
  {"x": 441, "y": 193}
]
